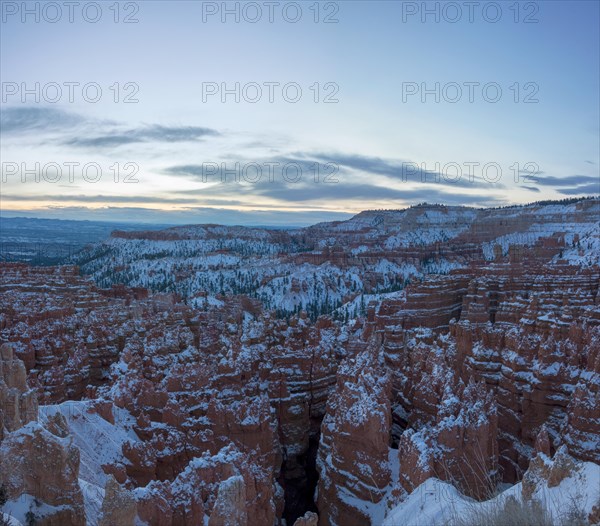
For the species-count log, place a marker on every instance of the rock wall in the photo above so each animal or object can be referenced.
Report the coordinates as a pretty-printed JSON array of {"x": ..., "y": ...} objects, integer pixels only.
[
  {"x": 36, "y": 461},
  {"x": 353, "y": 451}
]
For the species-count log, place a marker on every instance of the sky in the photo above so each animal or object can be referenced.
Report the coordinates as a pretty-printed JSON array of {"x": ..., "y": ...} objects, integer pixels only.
[{"x": 275, "y": 113}]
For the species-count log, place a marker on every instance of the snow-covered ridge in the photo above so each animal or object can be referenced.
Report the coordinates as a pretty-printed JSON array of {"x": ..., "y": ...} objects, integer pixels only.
[
  {"x": 439, "y": 503},
  {"x": 321, "y": 268}
]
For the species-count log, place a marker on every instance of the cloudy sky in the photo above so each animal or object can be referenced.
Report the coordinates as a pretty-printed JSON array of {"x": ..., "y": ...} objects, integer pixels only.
[{"x": 293, "y": 113}]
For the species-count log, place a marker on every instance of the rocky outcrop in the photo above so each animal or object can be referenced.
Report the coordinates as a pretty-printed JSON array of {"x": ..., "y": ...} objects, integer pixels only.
[
  {"x": 18, "y": 404},
  {"x": 118, "y": 507},
  {"x": 548, "y": 471},
  {"x": 230, "y": 506},
  {"x": 535, "y": 342},
  {"x": 459, "y": 446},
  {"x": 479, "y": 387},
  {"x": 308, "y": 519},
  {"x": 45, "y": 466},
  {"x": 194, "y": 381},
  {"x": 228, "y": 487},
  {"x": 582, "y": 430},
  {"x": 353, "y": 452},
  {"x": 375, "y": 251},
  {"x": 36, "y": 461}
]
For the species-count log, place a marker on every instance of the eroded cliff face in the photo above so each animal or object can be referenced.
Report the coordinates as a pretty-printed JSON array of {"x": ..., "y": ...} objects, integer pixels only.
[
  {"x": 231, "y": 385},
  {"x": 39, "y": 465},
  {"x": 18, "y": 403},
  {"x": 200, "y": 407},
  {"x": 353, "y": 451},
  {"x": 539, "y": 352},
  {"x": 474, "y": 386}
]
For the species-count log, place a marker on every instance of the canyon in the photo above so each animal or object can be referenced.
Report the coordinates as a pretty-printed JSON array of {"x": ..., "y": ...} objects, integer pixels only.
[{"x": 331, "y": 375}]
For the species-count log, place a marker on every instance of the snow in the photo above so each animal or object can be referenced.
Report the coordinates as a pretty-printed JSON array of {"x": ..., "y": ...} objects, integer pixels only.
[
  {"x": 289, "y": 270},
  {"x": 434, "y": 503},
  {"x": 438, "y": 503},
  {"x": 585, "y": 252},
  {"x": 92, "y": 501},
  {"x": 11, "y": 521},
  {"x": 98, "y": 441},
  {"x": 436, "y": 227},
  {"x": 18, "y": 509}
]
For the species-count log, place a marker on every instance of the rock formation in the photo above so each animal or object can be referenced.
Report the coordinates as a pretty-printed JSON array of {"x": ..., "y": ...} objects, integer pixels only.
[
  {"x": 246, "y": 376},
  {"x": 38, "y": 462},
  {"x": 353, "y": 452}
]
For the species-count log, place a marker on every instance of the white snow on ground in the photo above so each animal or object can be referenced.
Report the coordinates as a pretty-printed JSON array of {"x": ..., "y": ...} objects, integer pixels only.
[
  {"x": 99, "y": 442},
  {"x": 11, "y": 520},
  {"x": 359, "y": 303},
  {"x": 17, "y": 509},
  {"x": 437, "y": 227},
  {"x": 587, "y": 234},
  {"x": 92, "y": 501},
  {"x": 587, "y": 251},
  {"x": 437, "y": 503}
]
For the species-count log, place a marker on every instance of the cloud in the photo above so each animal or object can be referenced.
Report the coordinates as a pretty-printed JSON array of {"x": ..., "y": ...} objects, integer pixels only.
[
  {"x": 193, "y": 171},
  {"x": 153, "y": 133},
  {"x": 364, "y": 192},
  {"x": 308, "y": 190},
  {"x": 256, "y": 171},
  {"x": 22, "y": 119},
  {"x": 93, "y": 133},
  {"x": 333, "y": 166},
  {"x": 105, "y": 141},
  {"x": 395, "y": 169},
  {"x": 263, "y": 206},
  {"x": 176, "y": 133},
  {"x": 570, "y": 184},
  {"x": 363, "y": 163},
  {"x": 107, "y": 199},
  {"x": 570, "y": 180},
  {"x": 587, "y": 189},
  {"x": 531, "y": 188}
]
